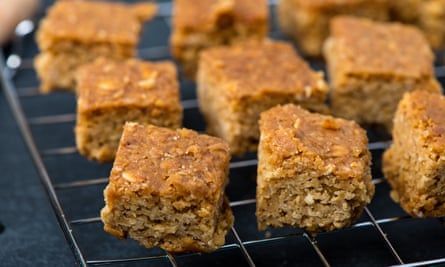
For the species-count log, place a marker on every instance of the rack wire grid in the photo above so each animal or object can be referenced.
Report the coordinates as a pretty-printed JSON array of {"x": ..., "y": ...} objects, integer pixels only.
[{"x": 383, "y": 236}]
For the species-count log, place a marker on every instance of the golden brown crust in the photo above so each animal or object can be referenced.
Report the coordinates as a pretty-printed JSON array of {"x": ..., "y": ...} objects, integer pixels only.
[
  {"x": 106, "y": 83},
  {"x": 372, "y": 64},
  {"x": 186, "y": 162},
  {"x": 166, "y": 189},
  {"x": 414, "y": 164},
  {"x": 258, "y": 68},
  {"x": 307, "y": 22},
  {"x": 237, "y": 83},
  {"x": 202, "y": 14},
  {"x": 77, "y": 32},
  {"x": 427, "y": 15},
  {"x": 367, "y": 47},
  {"x": 429, "y": 109},
  {"x": 313, "y": 170},
  {"x": 90, "y": 22},
  {"x": 327, "y": 4},
  {"x": 111, "y": 93},
  {"x": 200, "y": 24},
  {"x": 340, "y": 144}
]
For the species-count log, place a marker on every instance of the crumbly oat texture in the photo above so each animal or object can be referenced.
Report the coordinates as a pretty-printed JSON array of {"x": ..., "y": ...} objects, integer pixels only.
[
  {"x": 199, "y": 24},
  {"x": 427, "y": 15},
  {"x": 370, "y": 67},
  {"x": 166, "y": 189},
  {"x": 414, "y": 165},
  {"x": 313, "y": 170},
  {"x": 237, "y": 83},
  {"x": 307, "y": 22},
  {"x": 77, "y": 32},
  {"x": 111, "y": 93}
]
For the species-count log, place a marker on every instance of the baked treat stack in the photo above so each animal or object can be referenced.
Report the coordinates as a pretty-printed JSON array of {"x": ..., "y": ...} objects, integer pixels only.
[
  {"x": 77, "y": 32},
  {"x": 167, "y": 186},
  {"x": 313, "y": 170},
  {"x": 414, "y": 165}
]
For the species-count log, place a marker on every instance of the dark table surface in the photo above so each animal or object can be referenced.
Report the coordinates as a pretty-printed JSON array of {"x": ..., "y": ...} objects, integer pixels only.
[{"x": 29, "y": 232}]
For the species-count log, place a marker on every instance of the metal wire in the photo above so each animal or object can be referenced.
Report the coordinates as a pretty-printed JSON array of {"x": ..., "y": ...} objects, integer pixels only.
[
  {"x": 314, "y": 244},
  {"x": 172, "y": 259},
  {"x": 243, "y": 248},
  {"x": 14, "y": 95},
  {"x": 126, "y": 260},
  {"x": 435, "y": 262},
  {"x": 383, "y": 235}
]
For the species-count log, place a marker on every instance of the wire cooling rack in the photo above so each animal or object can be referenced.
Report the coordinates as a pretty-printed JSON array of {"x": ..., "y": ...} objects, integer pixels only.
[{"x": 383, "y": 236}]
